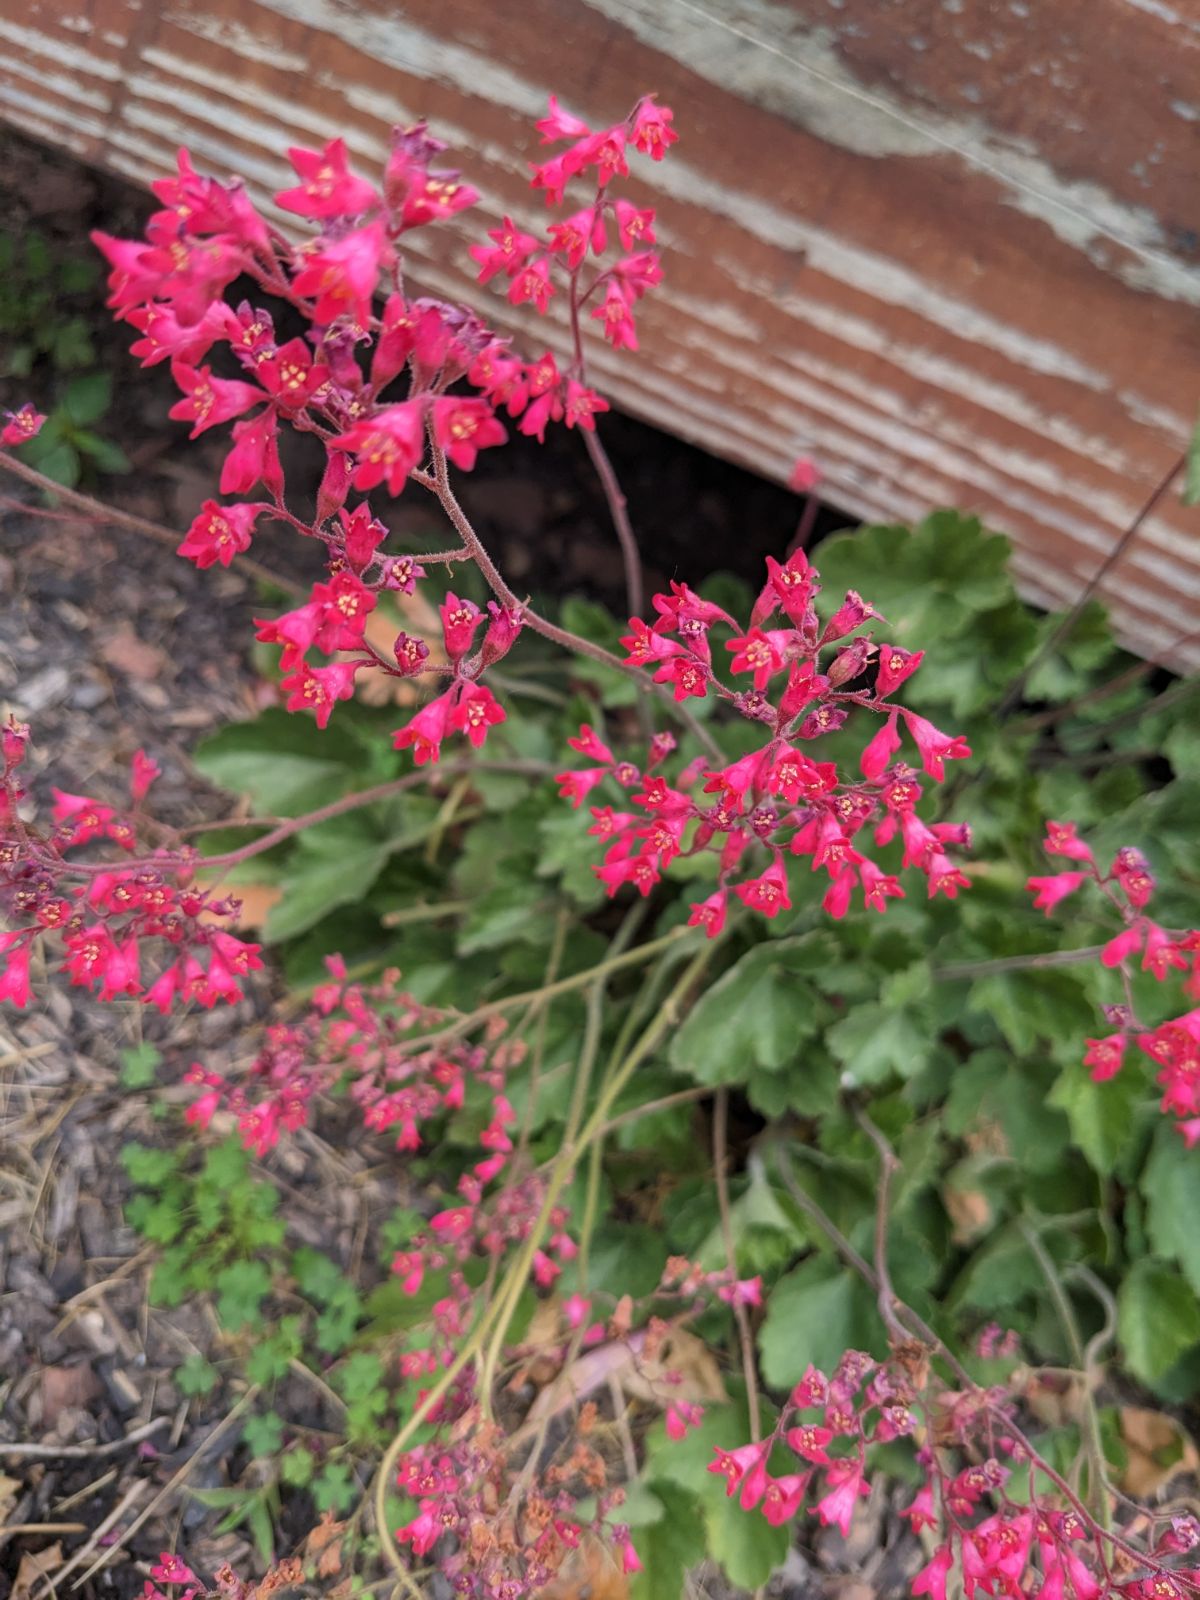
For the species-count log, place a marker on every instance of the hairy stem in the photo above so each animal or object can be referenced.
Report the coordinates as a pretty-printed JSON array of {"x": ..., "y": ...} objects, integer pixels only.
[{"x": 740, "y": 1315}]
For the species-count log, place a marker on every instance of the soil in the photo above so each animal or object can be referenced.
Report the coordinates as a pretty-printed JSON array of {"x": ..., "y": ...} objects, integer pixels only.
[{"x": 109, "y": 642}]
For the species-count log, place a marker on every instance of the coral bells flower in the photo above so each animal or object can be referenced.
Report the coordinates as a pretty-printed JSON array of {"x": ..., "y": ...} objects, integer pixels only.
[
  {"x": 767, "y": 893},
  {"x": 343, "y": 274},
  {"x": 463, "y": 426},
  {"x": 1104, "y": 1057},
  {"x": 208, "y": 401},
  {"x": 219, "y": 533},
  {"x": 22, "y": 425},
  {"x": 424, "y": 734},
  {"x": 709, "y": 914},
  {"x": 476, "y": 712},
  {"x": 14, "y": 968},
  {"x": 327, "y": 187},
  {"x": 1049, "y": 891},
  {"x": 386, "y": 446},
  {"x": 935, "y": 746},
  {"x": 845, "y": 1480}
]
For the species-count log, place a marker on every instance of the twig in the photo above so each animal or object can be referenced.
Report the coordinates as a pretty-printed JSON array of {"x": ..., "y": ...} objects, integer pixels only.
[
  {"x": 889, "y": 1165},
  {"x": 740, "y": 1314},
  {"x": 986, "y": 968},
  {"x": 310, "y": 819},
  {"x": 82, "y": 1452},
  {"x": 1066, "y": 626}
]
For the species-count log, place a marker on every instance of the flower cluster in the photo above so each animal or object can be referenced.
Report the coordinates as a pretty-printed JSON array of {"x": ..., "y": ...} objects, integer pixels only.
[
  {"x": 227, "y": 1585},
  {"x": 1037, "y": 1542},
  {"x": 374, "y": 388},
  {"x": 103, "y": 920},
  {"x": 1174, "y": 1045},
  {"x": 780, "y": 795}
]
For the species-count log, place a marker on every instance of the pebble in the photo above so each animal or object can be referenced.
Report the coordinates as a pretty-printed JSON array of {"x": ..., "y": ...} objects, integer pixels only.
[
  {"x": 89, "y": 694},
  {"x": 45, "y": 688}
]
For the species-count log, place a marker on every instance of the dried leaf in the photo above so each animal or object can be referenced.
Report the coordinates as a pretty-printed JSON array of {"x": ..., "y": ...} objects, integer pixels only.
[
  {"x": 133, "y": 656},
  {"x": 1157, "y": 1450},
  {"x": 324, "y": 1545},
  {"x": 970, "y": 1213},
  {"x": 36, "y": 1565},
  {"x": 9, "y": 1490},
  {"x": 592, "y": 1571},
  {"x": 682, "y": 1368}
]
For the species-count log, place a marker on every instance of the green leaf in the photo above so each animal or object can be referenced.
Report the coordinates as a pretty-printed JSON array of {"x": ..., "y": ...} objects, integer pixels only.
[
  {"x": 263, "y": 1435},
  {"x": 297, "y": 1466},
  {"x": 1158, "y": 1318},
  {"x": 318, "y": 880},
  {"x": 1101, "y": 1115},
  {"x": 196, "y": 1376},
  {"x": 815, "y": 1314},
  {"x": 87, "y": 398},
  {"x": 334, "y": 1489},
  {"x": 139, "y": 1067},
  {"x": 873, "y": 1042},
  {"x": 272, "y": 1357},
  {"x": 1171, "y": 1186},
  {"x": 60, "y": 462},
  {"x": 1191, "y": 481},
  {"x": 758, "y": 1012},
  {"x": 102, "y": 453},
  {"x": 147, "y": 1168},
  {"x": 241, "y": 1289},
  {"x": 281, "y": 761}
]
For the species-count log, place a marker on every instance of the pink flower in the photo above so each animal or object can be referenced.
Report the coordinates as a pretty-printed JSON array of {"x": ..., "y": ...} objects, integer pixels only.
[
  {"x": 531, "y": 281},
  {"x": 22, "y": 425},
  {"x": 327, "y": 187},
  {"x": 767, "y": 893},
  {"x": 207, "y": 400},
  {"x": 931, "y": 1579},
  {"x": 682, "y": 1415},
  {"x": 170, "y": 1569},
  {"x": 424, "y": 1531},
  {"x": 14, "y": 978},
  {"x": 476, "y": 712},
  {"x": 144, "y": 770},
  {"x": 688, "y": 677},
  {"x": 1061, "y": 840},
  {"x": 463, "y": 425},
  {"x": 732, "y": 1465},
  {"x": 1049, "y": 891},
  {"x": 387, "y": 446},
  {"x": 935, "y": 746},
  {"x": 560, "y": 124},
  {"x": 317, "y": 689},
  {"x": 1123, "y": 945},
  {"x": 759, "y": 653},
  {"x": 343, "y": 274},
  {"x": 218, "y": 533},
  {"x": 511, "y": 249},
  {"x": 877, "y": 755},
  {"x": 783, "y": 1497},
  {"x": 652, "y": 131},
  {"x": 804, "y": 476},
  {"x": 460, "y": 622},
  {"x": 809, "y": 1441},
  {"x": 895, "y": 665},
  {"x": 709, "y": 914},
  {"x": 846, "y": 1485},
  {"x": 616, "y": 317},
  {"x": 424, "y": 734}
]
